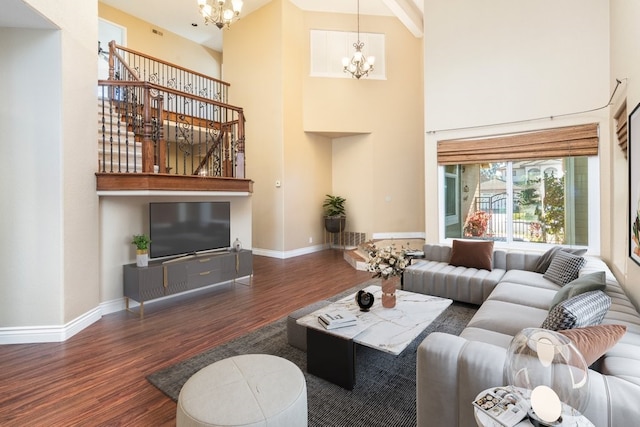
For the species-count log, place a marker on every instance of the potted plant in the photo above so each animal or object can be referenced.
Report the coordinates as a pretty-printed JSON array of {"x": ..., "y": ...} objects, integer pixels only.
[
  {"x": 142, "y": 249},
  {"x": 334, "y": 213}
]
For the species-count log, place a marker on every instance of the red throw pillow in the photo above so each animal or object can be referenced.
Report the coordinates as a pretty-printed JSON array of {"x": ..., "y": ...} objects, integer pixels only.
[
  {"x": 594, "y": 341},
  {"x": 472, "y": 254}
]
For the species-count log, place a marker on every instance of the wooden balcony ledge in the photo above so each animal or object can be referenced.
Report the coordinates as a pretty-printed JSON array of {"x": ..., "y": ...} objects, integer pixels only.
[{"x": 168, "y": 182}]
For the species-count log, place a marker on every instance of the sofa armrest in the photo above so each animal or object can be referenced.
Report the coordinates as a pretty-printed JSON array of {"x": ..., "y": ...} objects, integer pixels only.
[{"x": 450, "y": 372}]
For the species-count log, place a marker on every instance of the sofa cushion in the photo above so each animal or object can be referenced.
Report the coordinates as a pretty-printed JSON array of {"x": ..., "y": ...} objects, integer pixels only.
[
  {"x": 594, "y": 341},
  {"x": 526, "y": 295},
  {"x": 472, "y": 254},
  {"x": 588, "y": 282},
  {"x": 586, "y": 309},
  {"x": 564, "y": 268},
  {"x": 545, "y": 259}
]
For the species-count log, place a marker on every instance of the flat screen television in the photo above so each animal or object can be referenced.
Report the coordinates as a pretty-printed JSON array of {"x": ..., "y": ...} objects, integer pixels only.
[{"x": 181, "y": 228}]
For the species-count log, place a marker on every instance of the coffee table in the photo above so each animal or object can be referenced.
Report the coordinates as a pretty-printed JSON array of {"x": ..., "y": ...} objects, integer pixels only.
[{"x": 331, "y": 352}]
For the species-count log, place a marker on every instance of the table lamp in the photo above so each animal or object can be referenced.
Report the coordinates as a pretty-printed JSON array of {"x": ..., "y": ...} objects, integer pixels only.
[{"x": 553, "y": 370}]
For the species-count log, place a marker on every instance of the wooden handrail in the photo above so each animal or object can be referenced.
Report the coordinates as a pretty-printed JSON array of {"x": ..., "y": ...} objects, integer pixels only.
[
  {"x": 114, "y": 53},
  {"x": 168, "y": 90}
]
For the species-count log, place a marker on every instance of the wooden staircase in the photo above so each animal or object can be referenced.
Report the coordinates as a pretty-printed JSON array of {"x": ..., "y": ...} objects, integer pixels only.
[{"x": 125, "y": 154}]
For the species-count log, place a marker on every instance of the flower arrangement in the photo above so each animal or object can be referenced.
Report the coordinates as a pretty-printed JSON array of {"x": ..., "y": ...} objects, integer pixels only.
[
  {"x": 387, "y": 261},
  {"x": 476, "y": 224}
]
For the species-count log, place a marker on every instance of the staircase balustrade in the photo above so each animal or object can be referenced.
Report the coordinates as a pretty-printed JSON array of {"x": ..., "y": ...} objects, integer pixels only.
[
  {"x": 127, "y": 64},
  {"x": 155, "y": 116},
  {"x": 145, "y": 127}
]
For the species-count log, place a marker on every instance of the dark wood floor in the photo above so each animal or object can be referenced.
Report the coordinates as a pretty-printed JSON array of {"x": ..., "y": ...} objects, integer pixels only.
[{"x": 97, "y": 377}]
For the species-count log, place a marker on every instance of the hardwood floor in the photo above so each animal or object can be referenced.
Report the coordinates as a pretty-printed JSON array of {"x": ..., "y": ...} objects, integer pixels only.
[{"x": 97, "y": 378}]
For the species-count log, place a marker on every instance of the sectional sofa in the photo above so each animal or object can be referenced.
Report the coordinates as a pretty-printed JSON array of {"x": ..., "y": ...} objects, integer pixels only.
[{"x": 452, "y": 370}]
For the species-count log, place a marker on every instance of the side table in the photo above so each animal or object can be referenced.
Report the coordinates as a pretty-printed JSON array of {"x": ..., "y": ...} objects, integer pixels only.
[{"x": 483, "y": 420}]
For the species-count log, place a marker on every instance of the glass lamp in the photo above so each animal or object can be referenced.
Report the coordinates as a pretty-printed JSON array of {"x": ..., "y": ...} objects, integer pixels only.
[{"x": 552, "y": 371}]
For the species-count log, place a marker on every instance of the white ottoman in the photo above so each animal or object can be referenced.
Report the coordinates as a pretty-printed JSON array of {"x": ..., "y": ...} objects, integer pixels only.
[{"x": 246, "y": 390}]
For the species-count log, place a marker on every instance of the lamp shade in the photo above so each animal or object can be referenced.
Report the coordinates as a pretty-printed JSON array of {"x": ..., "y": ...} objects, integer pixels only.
[{"x": 548, "y": 365}]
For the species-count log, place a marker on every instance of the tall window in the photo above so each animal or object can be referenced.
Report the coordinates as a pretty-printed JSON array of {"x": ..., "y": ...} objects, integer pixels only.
[
  {"x": 530, "y": 186},
  {"x": 538, "y": 201}
]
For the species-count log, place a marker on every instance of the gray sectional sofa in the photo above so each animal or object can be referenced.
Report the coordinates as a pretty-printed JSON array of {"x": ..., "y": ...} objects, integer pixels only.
[{"x": 452, "y": 370}]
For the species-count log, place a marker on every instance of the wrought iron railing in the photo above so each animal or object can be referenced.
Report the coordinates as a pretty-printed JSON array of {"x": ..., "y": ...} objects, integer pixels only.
[
  {"x": 144, "y": 127},
  {"x": 127, "y": 64}
]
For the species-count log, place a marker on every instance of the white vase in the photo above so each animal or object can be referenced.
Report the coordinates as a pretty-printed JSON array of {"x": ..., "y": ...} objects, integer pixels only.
[
  {"x": 237, "y": 246},
  {"x": 142, "y": 258}
]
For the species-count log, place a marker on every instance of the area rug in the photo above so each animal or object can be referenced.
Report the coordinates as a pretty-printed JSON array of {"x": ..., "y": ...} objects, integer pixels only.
[{"x": 385, "y": 390}]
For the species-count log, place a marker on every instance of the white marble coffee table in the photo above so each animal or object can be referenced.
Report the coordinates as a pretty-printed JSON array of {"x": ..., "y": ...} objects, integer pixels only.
[{"x": 331, "y": 353}]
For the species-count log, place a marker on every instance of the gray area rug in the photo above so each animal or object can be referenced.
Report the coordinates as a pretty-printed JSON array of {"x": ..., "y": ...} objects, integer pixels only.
[{"x": 385, "y": 390}]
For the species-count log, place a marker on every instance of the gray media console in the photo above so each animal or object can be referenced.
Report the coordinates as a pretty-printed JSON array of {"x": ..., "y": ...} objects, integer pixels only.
[{"x": 163, "y": 278}]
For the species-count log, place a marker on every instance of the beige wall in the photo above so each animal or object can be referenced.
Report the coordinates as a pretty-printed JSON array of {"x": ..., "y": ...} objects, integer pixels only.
[
  {"x": 380, "y": 172},
  {"x": 169, "y": 47},
  {"x": 290, "y": 115},
  {"x": 625, "y": 43}
]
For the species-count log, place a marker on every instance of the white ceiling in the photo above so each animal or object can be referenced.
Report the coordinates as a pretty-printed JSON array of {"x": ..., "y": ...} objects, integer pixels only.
[
  {"x": 178, "y": 16},
  {"x": 17, "y": 14}
]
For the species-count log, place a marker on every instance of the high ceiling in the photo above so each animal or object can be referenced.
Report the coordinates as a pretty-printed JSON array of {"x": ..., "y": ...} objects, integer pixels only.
[{"x": 178, "y": 16}]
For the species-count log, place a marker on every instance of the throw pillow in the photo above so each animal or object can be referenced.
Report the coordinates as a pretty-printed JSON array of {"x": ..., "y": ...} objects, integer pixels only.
[
  {"x": 589, "y": 282},
  {"x": 472, "y": 254},
  {"x": 545, "y": 259},
  {"x": 564, "y": 268},
  {"x": 594, "y": 341},
  {"x": 586, "y": 309}
]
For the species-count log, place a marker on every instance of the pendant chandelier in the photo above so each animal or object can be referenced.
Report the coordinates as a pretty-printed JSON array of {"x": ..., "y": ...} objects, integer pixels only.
[
  {"x": 358, "y": 65},
  {"x": 219, "y": 13}
]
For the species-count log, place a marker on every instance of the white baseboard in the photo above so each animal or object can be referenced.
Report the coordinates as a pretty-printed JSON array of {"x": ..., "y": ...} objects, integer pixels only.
[
  {"x": 289, "y": 254},
  {"x": 400, "y": 235},
  {"x": 42, "y": 334}
]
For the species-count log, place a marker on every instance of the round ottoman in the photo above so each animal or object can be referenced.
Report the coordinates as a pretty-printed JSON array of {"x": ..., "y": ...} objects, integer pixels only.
[{"x": 246, "y": 390}]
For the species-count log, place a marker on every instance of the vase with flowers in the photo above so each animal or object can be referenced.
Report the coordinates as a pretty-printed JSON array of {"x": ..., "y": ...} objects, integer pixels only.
[
  {"x": 476, "y": 224},
  {"x": 387, "y": 263}
]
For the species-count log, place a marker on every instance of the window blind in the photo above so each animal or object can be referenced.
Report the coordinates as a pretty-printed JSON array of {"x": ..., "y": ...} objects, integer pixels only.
[
  {"x": 621, "y": 128},
  {"x": 579, "y": 140}
]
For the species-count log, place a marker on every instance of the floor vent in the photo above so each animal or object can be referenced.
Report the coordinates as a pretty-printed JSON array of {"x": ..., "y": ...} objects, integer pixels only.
[{"x": 348, "y": 238}]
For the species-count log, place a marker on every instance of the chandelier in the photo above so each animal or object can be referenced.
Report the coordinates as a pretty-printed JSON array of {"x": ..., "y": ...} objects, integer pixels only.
[
  {"x": 358, "y": 65},
  {"x": 217, "y": 12}
]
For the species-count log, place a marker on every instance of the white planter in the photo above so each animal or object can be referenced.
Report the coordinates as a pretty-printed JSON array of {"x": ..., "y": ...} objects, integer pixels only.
[{"x": 142, "y": 259}]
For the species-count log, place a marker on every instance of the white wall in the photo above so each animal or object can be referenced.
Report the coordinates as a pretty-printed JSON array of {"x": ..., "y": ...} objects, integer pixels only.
[
  {"x": 123, "y": 216},
  {"x": 50, "y": 236},
  {"x": 625, "y": 45},
  {"x": 500, "y": 61},
  {"x": 31, "y": 287}
]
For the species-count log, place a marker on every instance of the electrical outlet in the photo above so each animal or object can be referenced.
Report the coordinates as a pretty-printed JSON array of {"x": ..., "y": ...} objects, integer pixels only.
[
  {"x": 310, "y": 239},
  {"x": 277, "y": 184}
]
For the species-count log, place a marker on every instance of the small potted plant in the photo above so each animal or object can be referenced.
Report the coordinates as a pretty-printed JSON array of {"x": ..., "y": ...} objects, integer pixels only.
[
  {"x": 334, "y": 213},
  {"x": 142, "y": 249}
]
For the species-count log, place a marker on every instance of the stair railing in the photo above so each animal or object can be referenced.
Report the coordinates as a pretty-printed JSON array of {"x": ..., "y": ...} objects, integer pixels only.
[
  {"x": 128, "y": 64},
  {"x": 145, "y": 126}
]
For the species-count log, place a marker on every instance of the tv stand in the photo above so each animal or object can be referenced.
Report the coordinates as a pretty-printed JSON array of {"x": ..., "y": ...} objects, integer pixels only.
[{"x": 182, "y": 274}]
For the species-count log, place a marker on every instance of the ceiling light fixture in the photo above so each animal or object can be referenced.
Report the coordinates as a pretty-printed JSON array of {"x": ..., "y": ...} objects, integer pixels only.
[
  {"x": 358, "y": 65},
  {"x": 217, "y": 12}
]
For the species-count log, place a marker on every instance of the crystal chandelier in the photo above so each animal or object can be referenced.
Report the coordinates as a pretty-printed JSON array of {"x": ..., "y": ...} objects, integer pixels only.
[
  {"x": 358, "y": 65},
  {"x": 217, "y": 12}
]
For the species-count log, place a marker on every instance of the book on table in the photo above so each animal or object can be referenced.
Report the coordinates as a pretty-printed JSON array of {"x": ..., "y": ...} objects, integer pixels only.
[
  {"x": 337, "y": 320},
  {"x": 503, "y": 405}
]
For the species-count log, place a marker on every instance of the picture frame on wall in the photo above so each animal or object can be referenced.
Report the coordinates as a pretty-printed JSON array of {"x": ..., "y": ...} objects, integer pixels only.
[{"x": 634, "y": 184}]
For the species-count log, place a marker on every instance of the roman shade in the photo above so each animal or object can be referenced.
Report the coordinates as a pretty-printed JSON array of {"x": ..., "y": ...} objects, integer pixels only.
[
  {"x": 621, "y": 128},
  {"x": 579, "y": 140}
]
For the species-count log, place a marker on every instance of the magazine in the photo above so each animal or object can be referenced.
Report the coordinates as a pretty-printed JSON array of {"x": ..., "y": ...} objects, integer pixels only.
[
  {"x": 337, "y": 320},
  {"x": 503, "y": 405}
]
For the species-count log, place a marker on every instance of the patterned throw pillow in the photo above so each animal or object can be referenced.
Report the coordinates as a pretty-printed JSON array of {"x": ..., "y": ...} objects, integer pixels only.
[
  {"x": 586, "y": 309},
  {"x": 564, "y": 268},
  {"x": 545, "y": 259}
]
